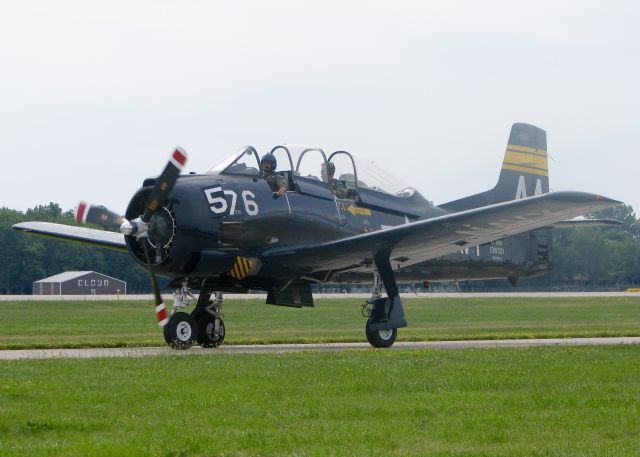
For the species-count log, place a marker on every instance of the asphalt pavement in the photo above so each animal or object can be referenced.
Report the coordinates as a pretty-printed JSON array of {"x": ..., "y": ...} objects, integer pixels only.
[{"x": 30, "y": 354}]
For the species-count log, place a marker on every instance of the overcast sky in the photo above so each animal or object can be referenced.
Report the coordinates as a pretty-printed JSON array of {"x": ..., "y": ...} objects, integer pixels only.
[{"x": 94, "y": 95}]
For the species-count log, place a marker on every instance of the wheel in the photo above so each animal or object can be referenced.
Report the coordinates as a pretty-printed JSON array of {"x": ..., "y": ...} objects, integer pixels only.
[
  {"x": 207, "y": 336},
  {"x": 181, "y": 331},
  {"x": 383, "y": 338}
]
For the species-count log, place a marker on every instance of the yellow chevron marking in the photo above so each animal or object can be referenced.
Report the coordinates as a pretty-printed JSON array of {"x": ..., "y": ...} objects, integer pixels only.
[
  {"x": 533, "y": 171},
  {"x": 526, "y": 159},
  {"x": 241, "y": 268},
  {"x": 359, "y": 211},
  {"x": 234, "y": 272},
  {"x": 515, "y": 147}
]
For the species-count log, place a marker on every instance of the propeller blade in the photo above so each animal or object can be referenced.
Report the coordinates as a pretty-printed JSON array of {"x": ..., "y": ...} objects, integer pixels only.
[
  {"x": 98, "y": 215},
  {"x": 161, "y": 310},
  {"x": 157, "y": 199},
  {"x": 165, "y": 183}
]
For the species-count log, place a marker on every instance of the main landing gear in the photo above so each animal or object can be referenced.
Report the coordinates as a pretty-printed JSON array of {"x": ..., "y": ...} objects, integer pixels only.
[
  {"x": 385, "y": 314},
  {"x": 204, "y": 325}
]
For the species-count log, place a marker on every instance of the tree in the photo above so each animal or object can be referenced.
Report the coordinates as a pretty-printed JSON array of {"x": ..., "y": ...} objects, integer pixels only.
[{"x": 26, "y": 259}]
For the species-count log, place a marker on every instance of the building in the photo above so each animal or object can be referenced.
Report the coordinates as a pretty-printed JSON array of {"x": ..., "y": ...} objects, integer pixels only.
[{"x": 79, "y": 283}]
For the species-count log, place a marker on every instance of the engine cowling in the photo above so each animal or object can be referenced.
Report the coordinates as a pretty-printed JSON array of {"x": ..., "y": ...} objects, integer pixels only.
[{"x": 161, "y": 230}]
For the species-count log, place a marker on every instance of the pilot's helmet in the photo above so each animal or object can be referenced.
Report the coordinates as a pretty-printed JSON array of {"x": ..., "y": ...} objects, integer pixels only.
[
  {"x": 331, "y": 168},
  {"x": 268, "y": 157}
]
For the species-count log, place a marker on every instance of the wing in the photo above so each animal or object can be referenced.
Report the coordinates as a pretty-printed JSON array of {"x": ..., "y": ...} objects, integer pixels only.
[
  {"x": 84, "y": 235},
  {"x": 425, "y": 239},
  {"x": 583, "y": 223}
]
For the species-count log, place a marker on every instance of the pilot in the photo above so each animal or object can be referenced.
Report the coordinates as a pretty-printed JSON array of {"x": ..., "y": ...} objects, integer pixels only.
[
  {"x": 277, "y": 183},
  {"x": 327, "y": 172}
]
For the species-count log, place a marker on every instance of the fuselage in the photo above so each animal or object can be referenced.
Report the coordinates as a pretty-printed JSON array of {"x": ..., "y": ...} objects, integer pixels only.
[{"x": 217, "y": 225}]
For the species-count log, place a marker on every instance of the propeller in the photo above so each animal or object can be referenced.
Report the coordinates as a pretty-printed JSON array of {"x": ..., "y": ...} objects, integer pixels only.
[
  {"x": 99, "y": 215},
  {"x": 165, "y": 183},
  {"x": 139, "y": 227},
  {"x": 158, "y": 198},
  {"x": 161, "y": 310}
]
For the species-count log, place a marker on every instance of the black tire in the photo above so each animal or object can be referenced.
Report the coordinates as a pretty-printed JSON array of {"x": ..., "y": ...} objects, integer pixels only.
[
  {"x": 381, "y": 338},
  {"x": 207, "y": 338},
  {"x": 165, "y": 333},
  {"x": 181, "y": 331}
]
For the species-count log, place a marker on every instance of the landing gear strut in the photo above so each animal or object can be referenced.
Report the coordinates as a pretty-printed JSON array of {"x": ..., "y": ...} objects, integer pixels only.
[
  {"x": 385, "y": 314},
  {"x": 210, "y": 324}
]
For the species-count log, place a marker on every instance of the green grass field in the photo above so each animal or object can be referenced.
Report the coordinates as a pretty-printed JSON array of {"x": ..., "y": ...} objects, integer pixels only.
[
  {"x": 111, "y": 323},
  {"x": 545, "y": 401}
]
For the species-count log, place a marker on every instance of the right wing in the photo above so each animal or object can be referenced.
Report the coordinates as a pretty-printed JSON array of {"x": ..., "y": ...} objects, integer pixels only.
[
  {"x": 425, "y": 239},
  {"x": 100, "y": 238}
]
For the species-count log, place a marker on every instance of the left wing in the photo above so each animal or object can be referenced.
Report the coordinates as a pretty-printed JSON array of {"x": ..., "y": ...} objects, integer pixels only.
[
  {"x": 84, "y": 235},
  {"x": 425, "y": 239},
  {"x": 583, "y": 223}
]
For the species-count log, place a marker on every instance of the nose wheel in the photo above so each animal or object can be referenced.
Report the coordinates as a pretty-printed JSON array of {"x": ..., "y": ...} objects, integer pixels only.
[
  {"x": 210, "y": 331},
  {"x": 208, "y": 318},
  {"x": 181, "y": 331}
]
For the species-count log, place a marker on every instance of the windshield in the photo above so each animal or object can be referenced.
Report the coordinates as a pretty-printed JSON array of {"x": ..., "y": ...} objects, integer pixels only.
[{"x": 242, "y": 162}]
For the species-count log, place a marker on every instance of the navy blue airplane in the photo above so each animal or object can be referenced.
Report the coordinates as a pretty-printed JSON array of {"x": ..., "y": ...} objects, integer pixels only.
[{"x": 341, "y": 220}]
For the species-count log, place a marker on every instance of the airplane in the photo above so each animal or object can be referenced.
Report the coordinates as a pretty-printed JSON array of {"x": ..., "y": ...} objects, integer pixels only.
[{"x": 226, "y": 230}]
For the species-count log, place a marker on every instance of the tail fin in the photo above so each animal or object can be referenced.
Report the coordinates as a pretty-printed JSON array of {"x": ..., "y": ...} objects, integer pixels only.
[
  {"x": 525, "y": 170},
  {"x": 524, "y": 173}
]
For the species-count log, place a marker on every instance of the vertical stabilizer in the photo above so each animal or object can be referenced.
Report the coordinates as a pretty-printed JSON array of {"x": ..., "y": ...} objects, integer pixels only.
[
  {"x": 524, "y": 172},
  {"x": 525, "y": 168}
]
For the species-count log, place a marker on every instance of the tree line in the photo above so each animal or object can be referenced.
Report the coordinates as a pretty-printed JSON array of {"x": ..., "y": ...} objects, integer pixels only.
[
  {"x": 583, "y": 258},
  {"x": 26, "y": 258}
]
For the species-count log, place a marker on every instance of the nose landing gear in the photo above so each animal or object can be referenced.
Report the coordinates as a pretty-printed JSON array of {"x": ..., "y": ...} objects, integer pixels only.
[
  {"x": 204, "y": 325},
  {"x": 210, "y": 323}
]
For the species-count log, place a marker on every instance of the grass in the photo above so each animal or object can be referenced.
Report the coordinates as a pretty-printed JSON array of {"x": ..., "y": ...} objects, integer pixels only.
[
  {"x": 124, "y": 323},
  {"x": 551, "y": 401}
]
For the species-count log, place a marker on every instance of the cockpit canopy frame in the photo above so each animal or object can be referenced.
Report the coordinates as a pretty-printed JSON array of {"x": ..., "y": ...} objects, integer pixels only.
[{"x": 304, "y": 177}]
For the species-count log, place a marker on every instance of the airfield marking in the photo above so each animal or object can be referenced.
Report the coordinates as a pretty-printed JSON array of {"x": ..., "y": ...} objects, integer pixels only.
[{"x": 89, "y": 353}]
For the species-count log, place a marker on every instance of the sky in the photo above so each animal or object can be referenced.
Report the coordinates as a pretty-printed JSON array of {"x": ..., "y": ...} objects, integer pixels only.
[{"x": 95, "y": 95}]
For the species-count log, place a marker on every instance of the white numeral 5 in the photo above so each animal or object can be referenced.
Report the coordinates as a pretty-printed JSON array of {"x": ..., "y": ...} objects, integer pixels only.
[{"x": 218, "y": 203}]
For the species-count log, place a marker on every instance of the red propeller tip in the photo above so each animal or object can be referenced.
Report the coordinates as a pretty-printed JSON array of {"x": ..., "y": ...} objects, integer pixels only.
[
  {"x": 179, "y": 158},
  {"x": 161, "y": 314},
  {"x": 81, "y": 212}
]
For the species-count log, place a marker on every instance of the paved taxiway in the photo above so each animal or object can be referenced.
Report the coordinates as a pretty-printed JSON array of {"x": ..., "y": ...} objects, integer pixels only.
[{"x": 23, "y": 354}]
